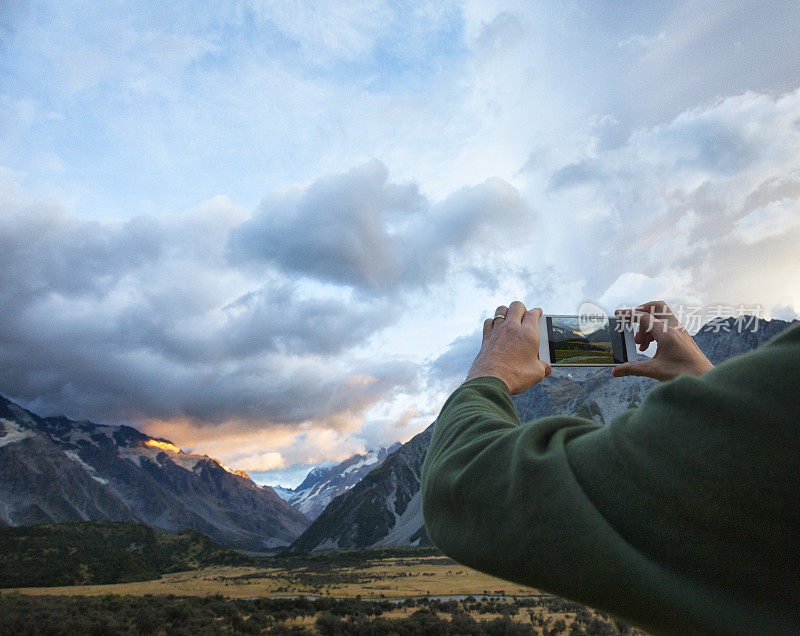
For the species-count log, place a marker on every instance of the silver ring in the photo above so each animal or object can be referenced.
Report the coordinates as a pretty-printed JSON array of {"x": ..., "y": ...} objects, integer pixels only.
[{"x": 499, "y": 316}]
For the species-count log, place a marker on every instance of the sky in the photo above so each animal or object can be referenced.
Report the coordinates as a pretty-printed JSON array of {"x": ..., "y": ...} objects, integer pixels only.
[{"x": 270, "y": 231}]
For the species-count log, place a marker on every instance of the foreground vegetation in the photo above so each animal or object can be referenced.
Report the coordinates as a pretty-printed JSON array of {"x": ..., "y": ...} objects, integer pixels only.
[
  {"x": 124, "y": 578},
  {"x": 108, "y": 552},
  {"x": 111, "y": 614},
  {"x": 92, "y": 552}
]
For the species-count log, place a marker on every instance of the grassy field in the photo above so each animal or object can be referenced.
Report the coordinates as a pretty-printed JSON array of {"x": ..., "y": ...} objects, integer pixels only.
[
  {"x": 600, "y": 353},
  {"x": 351, "y": 592},
  {"x": 388, "y": 577}
]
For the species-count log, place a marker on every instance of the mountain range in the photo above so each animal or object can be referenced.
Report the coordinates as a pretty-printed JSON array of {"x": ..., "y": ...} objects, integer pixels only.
[
  {"x": 384, "y": 508},
  {"x": 56, "y": 470},
  {"x": 323, "y": 484}
]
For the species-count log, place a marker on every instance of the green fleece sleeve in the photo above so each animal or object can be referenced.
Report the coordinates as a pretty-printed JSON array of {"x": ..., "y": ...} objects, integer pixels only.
[{"x": 680, "y": 516}]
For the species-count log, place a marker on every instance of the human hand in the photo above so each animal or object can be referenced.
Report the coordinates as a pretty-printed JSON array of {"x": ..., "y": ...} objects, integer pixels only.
[
  {"x": 510, "y": 348},
  {"x": 676, "y": 351}
]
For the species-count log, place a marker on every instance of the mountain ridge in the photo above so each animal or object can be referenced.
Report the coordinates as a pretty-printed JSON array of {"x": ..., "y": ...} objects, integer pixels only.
[
  {"x": 56, "y": 469},
  {"x": 385, "y": 507},
  {"x": 323, "y": 484},
  {"x": 360, "y": 516}
]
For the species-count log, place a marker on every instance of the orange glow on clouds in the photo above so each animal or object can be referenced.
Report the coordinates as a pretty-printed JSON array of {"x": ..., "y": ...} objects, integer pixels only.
[
  {"x": 265, "y": 446},
  {"x": 360, "y": 380}
]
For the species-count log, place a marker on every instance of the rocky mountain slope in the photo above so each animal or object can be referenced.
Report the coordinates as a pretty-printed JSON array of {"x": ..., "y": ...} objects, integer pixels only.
[
  {"x": 382, "y": 509},
  {"x": 323, "y": 484},
  {"x": 54, "y": 470},
  {"x": 385, "y": 508}
]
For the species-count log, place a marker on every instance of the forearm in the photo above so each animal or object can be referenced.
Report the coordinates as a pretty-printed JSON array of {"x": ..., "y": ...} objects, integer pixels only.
[
  {"x": 489, "y": 483},
  {"x": 654, "y": 517},
  {"x": 503, "y": 498}
]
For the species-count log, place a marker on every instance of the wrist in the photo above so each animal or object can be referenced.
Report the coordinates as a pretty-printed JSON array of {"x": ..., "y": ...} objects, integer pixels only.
[
  {"x": 703, "y": 366},
  {"x": 488, "y": 379},
  {"x": 488, "y": 372}
]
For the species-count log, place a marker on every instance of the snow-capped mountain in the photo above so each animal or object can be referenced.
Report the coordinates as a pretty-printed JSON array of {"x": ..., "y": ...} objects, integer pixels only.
[
  {"x": 385, "y": 507},
  {"x": 323, "y": 484},
  {"x": 55, "y": 469},
  {"x": 283, "y": 493}
]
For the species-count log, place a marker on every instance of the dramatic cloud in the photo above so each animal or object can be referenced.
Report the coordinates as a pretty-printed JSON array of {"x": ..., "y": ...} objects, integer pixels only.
[
  {"x": 376, "y": 180},
  {"x": 146, "y": 319},
  {"x": 701, "y": 209},
  {"x": 451, "y": 366},
  {"x": 360, "y": 230},
  {"x": 218, "y": 317}
]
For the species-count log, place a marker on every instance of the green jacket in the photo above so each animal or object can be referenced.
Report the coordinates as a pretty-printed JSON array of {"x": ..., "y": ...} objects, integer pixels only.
[{"x": 681, "y": 516}]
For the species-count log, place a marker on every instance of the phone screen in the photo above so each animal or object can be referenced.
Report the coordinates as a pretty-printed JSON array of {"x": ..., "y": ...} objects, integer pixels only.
[{"x": 576, "y": 341}]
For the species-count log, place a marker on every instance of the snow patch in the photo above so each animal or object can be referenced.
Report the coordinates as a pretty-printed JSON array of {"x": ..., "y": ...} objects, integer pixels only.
[
  {"x": 14, "y": 432},
  {"x": 367, "y": 461},
  {"x": 407, "y": 524},
  {"x": 73, "y": 455},
  {"x": 284, "y": 493},
  {"x": 184, "y": 460},
  {"x": 328, "y": 544}
]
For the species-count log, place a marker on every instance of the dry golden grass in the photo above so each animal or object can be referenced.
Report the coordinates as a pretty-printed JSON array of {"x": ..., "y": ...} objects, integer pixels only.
[
  {"x": 375, "y": 577},
  {"x": 384, "y": 577}
]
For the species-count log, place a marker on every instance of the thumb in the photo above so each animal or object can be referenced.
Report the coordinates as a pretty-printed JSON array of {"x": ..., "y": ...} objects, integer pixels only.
[{"x": 643, "y": 368}]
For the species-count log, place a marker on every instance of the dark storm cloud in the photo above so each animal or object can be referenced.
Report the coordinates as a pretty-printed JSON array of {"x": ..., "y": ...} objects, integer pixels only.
[
  {"x": 360, "y": 230},
  {"x": 335, "y": 230},
  {"x": 453, "y": 365},
  {"x": 142, "y": 319},
  {"x": 273, "y": 319},
  {"x": 47, "y": 251},
  {"x": 216, "y": 315}
]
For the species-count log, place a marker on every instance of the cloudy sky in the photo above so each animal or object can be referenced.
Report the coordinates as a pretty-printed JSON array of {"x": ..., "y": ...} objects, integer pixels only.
[{"x": 269, "y": 231}]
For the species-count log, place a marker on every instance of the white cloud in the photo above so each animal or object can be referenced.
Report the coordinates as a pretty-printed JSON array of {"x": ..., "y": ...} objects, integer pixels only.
[
  {"x": 262, "y": 462},
  {"x": 672, "y": 206},
  {"x": 658, "y": 146},
  {"x": 774, "y": 219},
  {"x": 632, "y": 288},
  {"x": 359, "y": 230}
]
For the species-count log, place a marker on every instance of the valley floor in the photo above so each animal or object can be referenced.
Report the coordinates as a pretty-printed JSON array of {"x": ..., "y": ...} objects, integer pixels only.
[
  {"x": 388, "y": 577},
  {"x": 305, "y": 595}
]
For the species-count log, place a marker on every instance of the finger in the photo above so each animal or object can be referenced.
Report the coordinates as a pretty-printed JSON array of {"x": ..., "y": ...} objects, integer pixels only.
[
  {"x": 628, "y": 317},
  {"x": 500, "y": 314},
  {"x": 625, "y": 317},
  {"x": 660, "y": 309},
  {"x": 643, "y": 338},
  {"x": 645, "y": 368},
  {"x": 547, "y": 369},
  {"x": 654, "y": 328},
  {"x": 516, "y": 311},
  {"x": 487, "y": 327},
  {"x": 532, "y": 316}
]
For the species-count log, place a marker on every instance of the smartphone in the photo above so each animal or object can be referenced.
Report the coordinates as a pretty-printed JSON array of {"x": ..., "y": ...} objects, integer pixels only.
[{"x": 585, "y": 341}]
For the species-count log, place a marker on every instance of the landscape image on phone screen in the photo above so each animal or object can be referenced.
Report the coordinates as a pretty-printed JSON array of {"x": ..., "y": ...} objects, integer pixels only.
[{"x": 570, "y": 344}]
